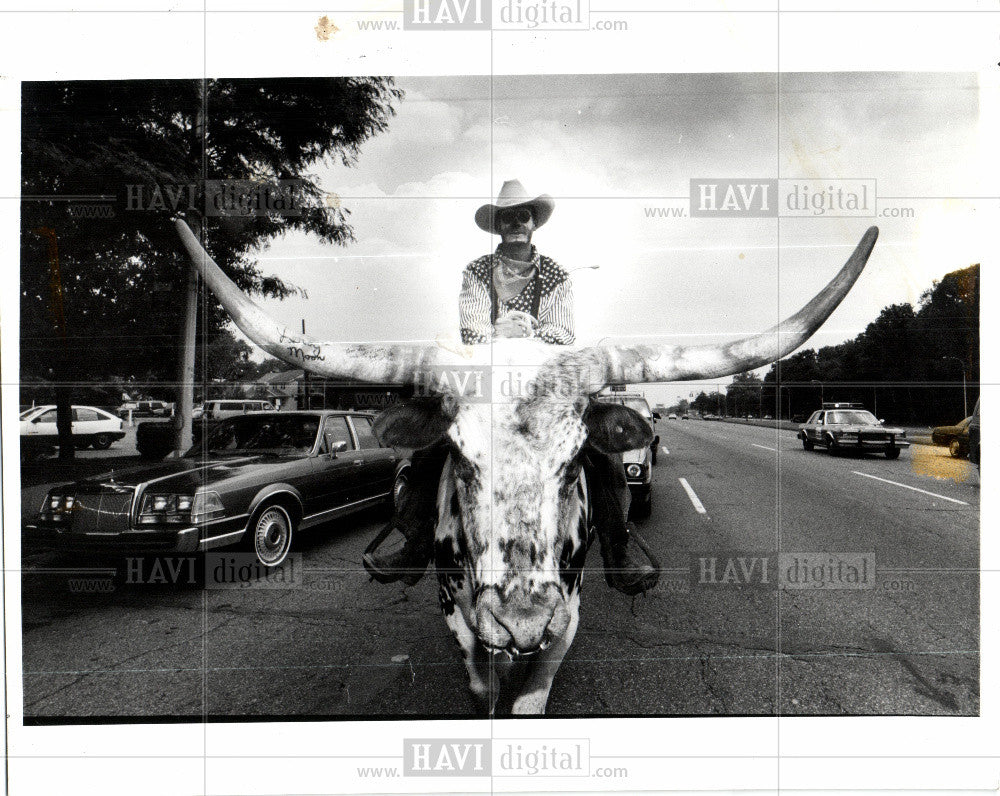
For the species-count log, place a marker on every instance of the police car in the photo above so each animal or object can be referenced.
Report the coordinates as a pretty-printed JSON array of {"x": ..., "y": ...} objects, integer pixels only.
[{"x": 851, "y": 427}]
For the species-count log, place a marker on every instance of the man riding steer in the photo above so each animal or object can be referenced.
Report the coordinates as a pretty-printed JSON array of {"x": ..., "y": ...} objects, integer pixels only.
[
  {"x": 515, "y": 292},
  {"x": 512, "y": 502}
]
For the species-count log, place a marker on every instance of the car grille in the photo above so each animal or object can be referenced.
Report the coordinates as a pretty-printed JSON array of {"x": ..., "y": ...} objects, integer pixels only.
[
  {"x": 873, "y": 436},
  {"x": 102, "y": 512}
]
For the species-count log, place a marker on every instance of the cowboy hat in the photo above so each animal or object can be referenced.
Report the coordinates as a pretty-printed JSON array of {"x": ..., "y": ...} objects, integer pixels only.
[{"x": 513, "y": 194}]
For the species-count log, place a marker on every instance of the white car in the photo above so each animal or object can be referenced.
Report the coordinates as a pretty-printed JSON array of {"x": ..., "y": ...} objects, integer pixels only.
[
  {"x": 91, "y": 426},
  {"x": 219, "y": 410}
]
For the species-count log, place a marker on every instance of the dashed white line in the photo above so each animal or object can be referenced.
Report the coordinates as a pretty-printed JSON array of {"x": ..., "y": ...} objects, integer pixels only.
[
  {"x": 764, "y": 447},
  {"x": 694, "y": 498},
  {"x": 907, "y": 486},
  {"x": 664, "y": 449}
]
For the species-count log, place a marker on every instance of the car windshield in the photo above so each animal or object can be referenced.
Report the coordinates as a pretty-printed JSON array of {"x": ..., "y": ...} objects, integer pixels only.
[
  {"x": 843, "y": 418},
  {"x": 27, "y": 412},
  {"x": 639, "y": 405},
  {"x": 260, "y": 432},
  {"x": 636, "y": 403}
]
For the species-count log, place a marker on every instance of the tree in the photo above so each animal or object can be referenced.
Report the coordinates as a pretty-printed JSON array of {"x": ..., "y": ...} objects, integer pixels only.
[
  {"x": 157, "y": 149},
  {"x": 743, "y": 395},
  {"x": 906, "y": 364}
]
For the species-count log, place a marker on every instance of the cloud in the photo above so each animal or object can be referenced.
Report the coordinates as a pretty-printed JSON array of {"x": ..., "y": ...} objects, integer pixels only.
[{"x": 610, "y": 146}]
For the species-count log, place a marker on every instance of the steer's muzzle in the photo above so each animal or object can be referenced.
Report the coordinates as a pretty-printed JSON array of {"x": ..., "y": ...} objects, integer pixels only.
[{"x": 523, "y": 622}]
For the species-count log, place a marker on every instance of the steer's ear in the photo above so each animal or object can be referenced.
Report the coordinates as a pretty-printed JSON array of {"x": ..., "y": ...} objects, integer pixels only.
[
  {"x": 415, "y": 423},
  {"x": 613, "y": 428}
]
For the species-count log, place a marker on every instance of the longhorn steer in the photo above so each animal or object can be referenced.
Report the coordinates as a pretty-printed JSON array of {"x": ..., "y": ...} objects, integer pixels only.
[{"x": 512, "y": 501}]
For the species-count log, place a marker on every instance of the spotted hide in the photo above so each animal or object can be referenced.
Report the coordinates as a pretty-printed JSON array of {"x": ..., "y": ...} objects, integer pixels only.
[
  {"x": 512, "y": 507},
  {"x": 513, "y": 527},
  {"x": 528, "y": 678}
]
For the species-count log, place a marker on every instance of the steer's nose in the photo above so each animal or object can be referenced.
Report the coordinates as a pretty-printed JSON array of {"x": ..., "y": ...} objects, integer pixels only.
[{"x": 524, "y": 621}]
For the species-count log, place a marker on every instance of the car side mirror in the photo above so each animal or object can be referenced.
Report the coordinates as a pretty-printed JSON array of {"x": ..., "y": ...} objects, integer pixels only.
[
  {"x": 656, "y": 416},
  {"x": 333, "y": 448}
]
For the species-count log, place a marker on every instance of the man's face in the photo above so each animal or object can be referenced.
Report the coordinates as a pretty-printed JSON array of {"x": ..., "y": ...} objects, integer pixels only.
[{"x": 516, "y": 224}]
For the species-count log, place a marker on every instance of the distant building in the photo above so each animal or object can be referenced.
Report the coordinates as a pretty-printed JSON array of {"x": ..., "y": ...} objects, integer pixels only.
[
  {"x": 294, "y": 389},
  {"x": 283, "y": 388}
]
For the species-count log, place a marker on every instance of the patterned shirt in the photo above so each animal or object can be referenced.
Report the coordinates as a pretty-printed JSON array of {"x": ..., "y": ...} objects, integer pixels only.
[{"x": 555, "y": 306}]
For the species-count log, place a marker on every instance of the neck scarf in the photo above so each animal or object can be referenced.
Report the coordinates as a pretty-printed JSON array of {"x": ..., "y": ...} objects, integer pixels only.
[{"x": 511, "y": 276}]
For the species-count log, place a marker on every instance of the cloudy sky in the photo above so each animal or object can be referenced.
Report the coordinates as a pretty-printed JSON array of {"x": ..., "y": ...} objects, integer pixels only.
[{"x": 611, "y": 147}]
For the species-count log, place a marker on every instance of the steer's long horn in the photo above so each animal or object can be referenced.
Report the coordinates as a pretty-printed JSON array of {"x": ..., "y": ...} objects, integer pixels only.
[
  {"x": 390, "y": 363},
  {"x": 640, "y": 363}
]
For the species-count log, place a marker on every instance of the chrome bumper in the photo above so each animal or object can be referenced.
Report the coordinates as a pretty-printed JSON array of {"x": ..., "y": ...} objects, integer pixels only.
[{"x": 179, "y": 540}]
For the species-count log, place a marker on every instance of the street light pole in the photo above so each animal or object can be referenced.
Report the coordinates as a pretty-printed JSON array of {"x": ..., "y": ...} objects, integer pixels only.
[{"x": 965, "y": 394}]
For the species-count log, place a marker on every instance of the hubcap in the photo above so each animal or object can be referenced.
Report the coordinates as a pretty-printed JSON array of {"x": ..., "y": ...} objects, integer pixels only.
[
  {"x": 272, "y": 537},
  {"x": 399, "y": 489}
]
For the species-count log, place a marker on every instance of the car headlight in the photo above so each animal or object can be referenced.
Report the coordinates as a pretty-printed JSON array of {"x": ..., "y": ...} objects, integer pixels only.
[
  {"x": 633, "y": 470},
  {"x": 57, "y": 507},
  {"x": 171, "y": 507}
]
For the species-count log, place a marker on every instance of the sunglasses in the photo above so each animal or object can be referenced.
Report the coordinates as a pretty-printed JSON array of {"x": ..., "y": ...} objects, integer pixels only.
[{"x": 519, "y": 215}]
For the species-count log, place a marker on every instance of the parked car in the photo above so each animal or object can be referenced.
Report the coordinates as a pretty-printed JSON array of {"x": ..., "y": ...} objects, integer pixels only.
[
  {"x": 156, "y": 440},
  {"x": 639, "y": 463},
  {"x": 145, "y": 409},
  {"x": 843, "y": 427},
  {"x": 257, "y": 479},
  {"x": 91, "y": 427},
  {"x": 639, "y": 474},
  {"x": 672, "y": 416},
  {"x": 685, "y": 416},
  {"x": 955, "y": 438},
  {"x": 640, "y": 405},
  {"x": 218, "y": 410},
  {"x": 974, "y": 453}
]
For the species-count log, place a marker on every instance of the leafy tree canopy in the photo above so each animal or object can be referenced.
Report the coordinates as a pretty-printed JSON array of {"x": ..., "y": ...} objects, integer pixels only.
[{"x": 105, "y": 165}]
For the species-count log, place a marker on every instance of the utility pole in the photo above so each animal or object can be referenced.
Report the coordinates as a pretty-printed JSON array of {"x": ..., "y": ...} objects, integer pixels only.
[
  {"x": 305, "y": 378},
  {"x": 965, "y": 395},
  {"x": 64, "y": 394},
  {"x": 822, "y": 399},
  {"x": 185, "y": 363}
]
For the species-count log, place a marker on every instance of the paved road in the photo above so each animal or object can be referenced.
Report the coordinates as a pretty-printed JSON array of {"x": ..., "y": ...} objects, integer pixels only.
[{"x": 341, "y": 645}]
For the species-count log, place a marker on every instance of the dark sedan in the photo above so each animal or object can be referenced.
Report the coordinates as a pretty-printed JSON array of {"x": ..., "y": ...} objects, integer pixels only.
[
  {"x": 955, "y": 438},
  {"x": 256, "y": 478}
]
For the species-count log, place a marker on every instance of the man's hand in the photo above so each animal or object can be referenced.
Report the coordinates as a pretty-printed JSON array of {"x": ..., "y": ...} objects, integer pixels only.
[{"x": 515, "y": 324}]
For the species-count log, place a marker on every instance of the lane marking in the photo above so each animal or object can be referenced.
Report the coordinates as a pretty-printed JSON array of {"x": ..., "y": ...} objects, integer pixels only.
[
  {"x": 694, "y": 498},
  {"x": 664, "y": 449},
  {"x": 907, "y": 486},
  {"x": 764, "y": 447}
]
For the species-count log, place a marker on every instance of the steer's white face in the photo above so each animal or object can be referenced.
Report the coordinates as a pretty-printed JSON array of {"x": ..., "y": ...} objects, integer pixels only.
[
  {"x": 514, "y": 475},
  {"x": 513, "y": 466}
]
